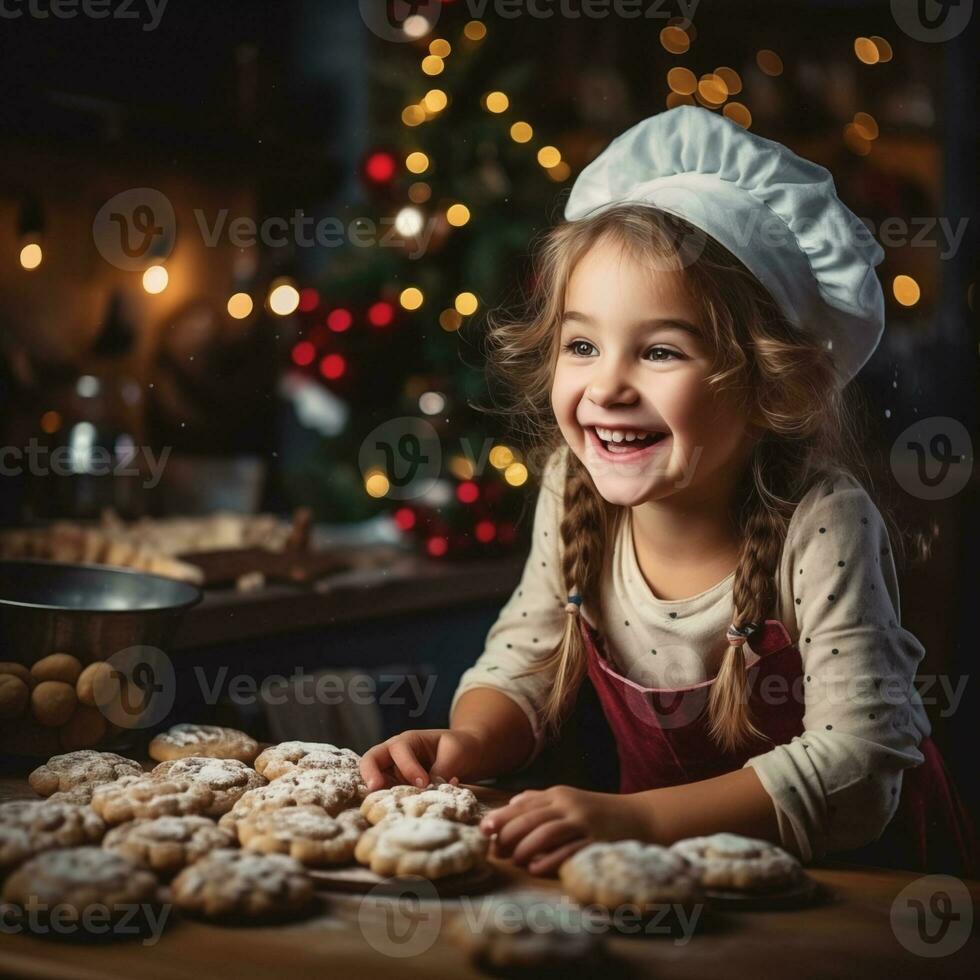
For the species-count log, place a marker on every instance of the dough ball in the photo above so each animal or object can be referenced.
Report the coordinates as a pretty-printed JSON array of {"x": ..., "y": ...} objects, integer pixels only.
[
  {"x": 86, "y": 727},
  {"x": 57, "y": 667},
  {"x": 14, "y": 695},
  {"x": 91, "y": 680},
  {"x": 53, "y": 703},
  {"x": 18, "y": 670}
]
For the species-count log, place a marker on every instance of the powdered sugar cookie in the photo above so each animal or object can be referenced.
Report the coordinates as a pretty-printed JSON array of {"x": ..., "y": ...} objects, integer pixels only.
[
  {"x": 306, "y": 833},
  {"x": 167, "y": 844},
  {"x": 231, "y": 883},
  {"x": 147, "y": 797},
  {"x": 629, "y": 872},
  {"x": 427, "y": 846},
  {"x": 28, "y": 827},
  {"x": 443, "y": 800},
  {"x": 213, "y": 741},
  {"x": 728, "y": 860},
  {"x": 287, "y": 757},
  {"x": 332, "y": 791},
  {"x": 228, "y": 779},
  {"x": 527, "y": 933},
  {"x": 85, "y": 767},
  {"x": 75, "y": 880}
]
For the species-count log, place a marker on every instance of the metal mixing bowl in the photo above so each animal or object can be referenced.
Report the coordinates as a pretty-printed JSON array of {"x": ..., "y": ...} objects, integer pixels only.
[{"x": 90, "y": 611}]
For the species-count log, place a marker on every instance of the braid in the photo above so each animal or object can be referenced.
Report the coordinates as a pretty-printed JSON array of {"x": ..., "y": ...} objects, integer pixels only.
[
  {"x": 584, "y": 528},
  {"x": 763, "y": 532}
]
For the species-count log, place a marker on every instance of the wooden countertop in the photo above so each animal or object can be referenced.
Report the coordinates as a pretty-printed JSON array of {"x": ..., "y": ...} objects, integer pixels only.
[
  {"x": 855, "y": 933},
  {"x": 387, "y": 582}
]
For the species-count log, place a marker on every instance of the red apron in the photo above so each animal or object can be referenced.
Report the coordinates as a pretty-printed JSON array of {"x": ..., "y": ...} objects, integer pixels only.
[{"x": 662, "y": 739}]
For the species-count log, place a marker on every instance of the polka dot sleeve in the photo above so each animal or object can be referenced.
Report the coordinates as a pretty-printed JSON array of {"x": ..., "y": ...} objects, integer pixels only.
[
  {"x": 837, "y": 785},
  {"x": 531, "y": 623}
]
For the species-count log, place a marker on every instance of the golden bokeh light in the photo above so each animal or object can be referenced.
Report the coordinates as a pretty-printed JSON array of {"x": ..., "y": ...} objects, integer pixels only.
[
  {"x": 417, "y": 162},
  {"x": 516, "y": 474},
  {"x": 496, "y": 102},
  {"x": 906, "y": 290},
  {"x": 240, "y": 305},
  {"x": 521, "y": 132},
  {"x": 866, "y": 51},
  {"x": 433, "y": 65},
  {"x": 457, "y": 215},
  {"x": 683, "y": 81},
  {"x": 466, "y": 304},
  {"x": 549, "y": 156},
  {"x": 769, "y": 62},
  {"x": 411, "y": 298},
  {"x": 450, "y": 320},
  {"x": 31, "y": 256},
  {"x": 475, "y": 30},
  {"x": 156, "y": 279},
  {"x": 738, "y": 113}
]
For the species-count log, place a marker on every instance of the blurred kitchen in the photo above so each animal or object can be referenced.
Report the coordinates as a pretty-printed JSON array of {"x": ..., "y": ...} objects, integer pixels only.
[{"x": 246, "y": 249}]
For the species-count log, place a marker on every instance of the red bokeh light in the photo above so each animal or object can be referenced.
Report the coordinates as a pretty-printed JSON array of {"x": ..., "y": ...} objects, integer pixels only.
[
  {"x": 333, "y": 366},
  {"x": 303, "y": 353},
  {"x": 339, "y": 320},
  {"x": 309, "y": 300},
  {"x": 467, "y": 492},
  {"x": 485, "y": 531},
  {"x": 436, "y": 547},
  {"x": 380, "y": 167},
  {"x": 381, "y": 314},
  {"x": 405, "y": 518}
]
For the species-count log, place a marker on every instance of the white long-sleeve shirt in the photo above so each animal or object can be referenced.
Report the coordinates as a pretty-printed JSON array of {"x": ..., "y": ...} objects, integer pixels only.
[{"x": 836, "y": 786}]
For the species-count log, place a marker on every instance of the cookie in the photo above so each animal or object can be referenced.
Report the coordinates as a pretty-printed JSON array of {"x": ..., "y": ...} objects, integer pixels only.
[
  {"x": 203, "y": 740},
  {"x": 528, "y": 934},
  {"x": 85, "y": 767},
  {"x": 79, "y": 881},
  {"x": 332, "y": 791},
  {"x": 306, "y": 833},
  {"x": 147, "y": 797},
  {"x": 430, "y": 847},
  {"x": 629, "y": 872},
  {"x": 28, "y": 827},
  {"x": 732, "y": 861},
  {"x": 443, "y": 800},
  {"x": 228, "y": 779},
  {"x": 287, "y": 757},
  {"x": 165, "y": 845},
  {"x": 241, "y": 884}
]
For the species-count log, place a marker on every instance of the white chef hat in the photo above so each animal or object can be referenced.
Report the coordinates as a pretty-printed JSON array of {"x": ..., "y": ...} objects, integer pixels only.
[{"x": 777, "y": 212}]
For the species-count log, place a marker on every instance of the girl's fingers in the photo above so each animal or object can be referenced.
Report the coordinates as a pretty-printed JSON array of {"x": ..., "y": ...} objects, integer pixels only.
[
  {"x": 373, "y": 764},
  {"x": 515, "y": 830},
  {"x": 543, "y": 839},
  {"x": 548, "y": 864},
  {"x": 519, "y": 804},
  {"x": 410, "y": 767}
]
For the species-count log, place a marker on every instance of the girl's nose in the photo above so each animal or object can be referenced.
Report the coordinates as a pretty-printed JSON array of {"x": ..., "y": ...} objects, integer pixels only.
[{"x": 613, "y": 389}]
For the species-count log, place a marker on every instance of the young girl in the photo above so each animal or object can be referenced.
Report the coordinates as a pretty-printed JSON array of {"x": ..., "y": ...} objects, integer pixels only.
[{"x": 702, "y": 553}]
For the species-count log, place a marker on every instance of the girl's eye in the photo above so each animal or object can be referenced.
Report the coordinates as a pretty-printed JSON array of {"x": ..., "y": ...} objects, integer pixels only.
[{"x": 661, "y": 353}]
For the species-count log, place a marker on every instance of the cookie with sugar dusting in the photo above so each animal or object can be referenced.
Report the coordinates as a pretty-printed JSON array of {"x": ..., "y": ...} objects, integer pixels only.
[
  {"x": 86, "y": 767},
  {"x": 430, "y": 847},
  {"x": 147, "y": 797},
  {"x": 165, "y": 845},
  {"x": 213, "y": 741},
  {"x": 435, "y": 800},
  {"x": 332, "y": 791},
  {"x": 528, "y": 934},
  {"x": 228, "y": 779},
  {"x": 76, "y": 879},
  {"x": 727, "y": 860},
  {"x": 242, "y": 884},
  {"x": 278, "y": 760},
  {"x": 629, "y": 872},
  {"x": 307, "y": 833},
  {"x": 29, "y": 827}
]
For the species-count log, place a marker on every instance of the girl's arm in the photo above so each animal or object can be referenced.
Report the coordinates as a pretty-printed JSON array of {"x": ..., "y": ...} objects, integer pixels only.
[{"x": 500, "y": 727}]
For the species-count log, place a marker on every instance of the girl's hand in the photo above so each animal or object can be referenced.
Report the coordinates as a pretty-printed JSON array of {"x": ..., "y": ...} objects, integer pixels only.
[
  {"x": 541, "y": 828},
  {"x": 420, "y": 756}
]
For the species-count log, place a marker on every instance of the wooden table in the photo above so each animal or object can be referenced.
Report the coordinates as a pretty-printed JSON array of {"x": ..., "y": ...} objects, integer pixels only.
[{"x": 851, "y": 935}]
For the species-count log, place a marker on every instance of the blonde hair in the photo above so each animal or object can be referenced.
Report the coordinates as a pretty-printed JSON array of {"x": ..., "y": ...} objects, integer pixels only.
[{"x": 785, "y": 380}]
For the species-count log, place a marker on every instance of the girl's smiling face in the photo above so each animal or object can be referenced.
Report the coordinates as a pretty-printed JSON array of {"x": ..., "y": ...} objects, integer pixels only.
[{"x": 631, "y": 357}]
